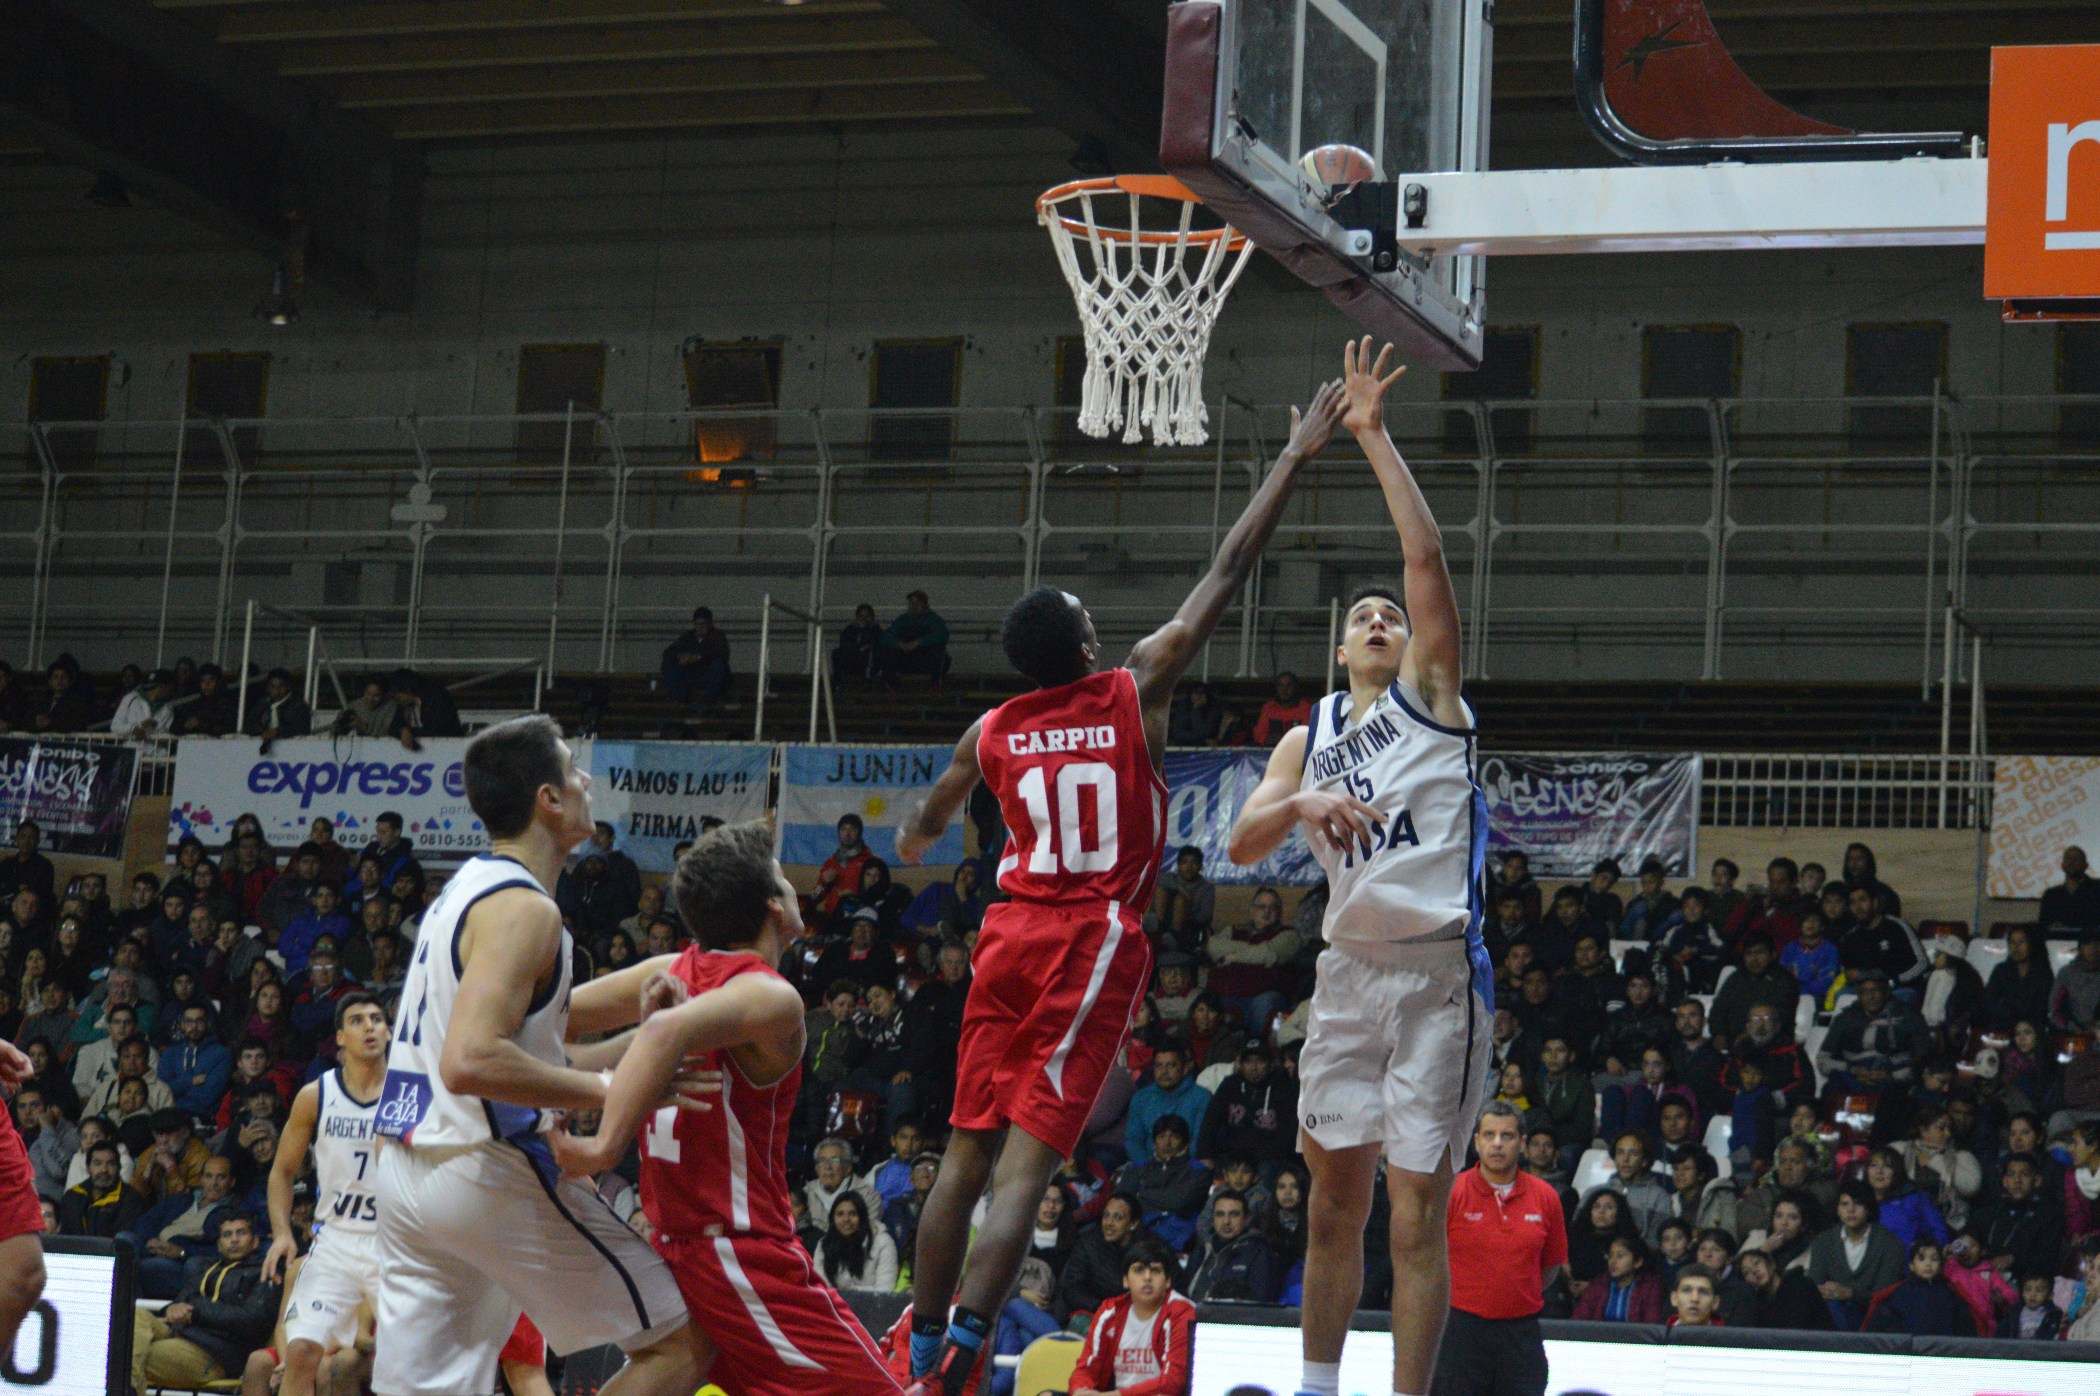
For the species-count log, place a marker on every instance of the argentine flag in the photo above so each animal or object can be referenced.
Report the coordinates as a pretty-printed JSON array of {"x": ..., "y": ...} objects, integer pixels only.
[{"x": 884, "y": 785}]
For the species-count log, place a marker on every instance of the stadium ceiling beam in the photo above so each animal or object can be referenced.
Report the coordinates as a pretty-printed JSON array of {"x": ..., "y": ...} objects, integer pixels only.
[
  {"x": 785, "y": 108},
  {"x": 658, "y": 77},
  {"x": 787, "y": 31},
  {"x": 1087, "y": 67},
  {"x": 116, "y": 85}
]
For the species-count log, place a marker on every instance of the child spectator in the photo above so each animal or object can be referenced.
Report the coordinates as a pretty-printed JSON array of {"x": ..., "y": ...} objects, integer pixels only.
[
  {"x": 1139, "y": 1343},
  {"x": 1812, "y": 958},
  {"x": 1753, "y": 1129},
  {"x": 1693, "y": 950},
  {"x": 1923, "y": 1304},
  {"x": 2036, "y": 1316},
  {"x": 1629, "y": 1292}
]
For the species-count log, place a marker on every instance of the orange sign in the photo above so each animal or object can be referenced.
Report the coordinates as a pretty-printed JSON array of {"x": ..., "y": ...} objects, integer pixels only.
[{"x": 2043, "y": 237}]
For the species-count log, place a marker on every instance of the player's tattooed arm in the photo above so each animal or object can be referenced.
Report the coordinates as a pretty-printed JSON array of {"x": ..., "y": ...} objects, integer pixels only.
[
  {"x": 1431, "y": 665},
  {"x": 292, "y": 1145},
  {"x": 944, "y": 801},
  {"x": 1161, "y": 658},
  {"x": 1277, "y": 803}
]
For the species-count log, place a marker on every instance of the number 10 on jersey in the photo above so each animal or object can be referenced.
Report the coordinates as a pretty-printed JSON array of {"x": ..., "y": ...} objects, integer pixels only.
[{"x": 1069, "y": 849}]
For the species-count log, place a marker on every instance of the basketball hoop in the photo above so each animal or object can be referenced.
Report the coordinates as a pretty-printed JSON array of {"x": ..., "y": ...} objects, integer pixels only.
[{"x": 1146, "y": 302}]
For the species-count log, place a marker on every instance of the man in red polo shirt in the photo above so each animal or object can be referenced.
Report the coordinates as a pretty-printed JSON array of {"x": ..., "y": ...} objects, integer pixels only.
[{"x": 1507, "y": 1237}]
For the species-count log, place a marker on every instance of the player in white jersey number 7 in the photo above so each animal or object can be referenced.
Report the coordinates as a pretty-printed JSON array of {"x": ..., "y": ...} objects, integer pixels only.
[{"x": 1396, "y": 1046}]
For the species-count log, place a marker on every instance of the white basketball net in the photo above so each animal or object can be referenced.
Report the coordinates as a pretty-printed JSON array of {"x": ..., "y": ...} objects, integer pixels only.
[{"x": 1148, "y": 300}]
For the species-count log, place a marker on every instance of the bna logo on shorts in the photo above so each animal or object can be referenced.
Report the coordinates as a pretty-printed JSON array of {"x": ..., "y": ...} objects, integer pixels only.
[{"x": 1315, "y": 1121}]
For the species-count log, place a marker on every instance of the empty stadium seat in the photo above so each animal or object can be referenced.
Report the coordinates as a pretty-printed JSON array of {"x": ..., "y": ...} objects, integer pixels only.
[
  {"x": 2061, "y": 953},
  {"x": 1986, "y": 955},
  {"x": 1718, "y": 1131},
  {"x": 1811, "y": 1045},
  {"x": 1591, "y": 1169},
  {"x": 1619, "y": 949},
  {"x": 1726, "y": 971},
  {"x": 1047, "y": 1363},
  {"x": 1804, "y": 1017}
]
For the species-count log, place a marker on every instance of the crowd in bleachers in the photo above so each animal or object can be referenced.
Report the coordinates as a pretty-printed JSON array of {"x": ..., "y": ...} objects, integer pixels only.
[
  {"x": 1839, "y": 1114},
  {"x": 203, "y": 700},
  {"x": 1845, "y": 1117}
]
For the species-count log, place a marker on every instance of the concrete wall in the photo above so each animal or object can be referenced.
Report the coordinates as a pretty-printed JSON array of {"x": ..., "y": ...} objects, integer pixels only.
[{"x": 827, "y": 244}]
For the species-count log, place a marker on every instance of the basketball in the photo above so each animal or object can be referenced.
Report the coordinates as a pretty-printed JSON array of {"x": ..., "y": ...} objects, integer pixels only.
[{"x": 1336, "y": 169}]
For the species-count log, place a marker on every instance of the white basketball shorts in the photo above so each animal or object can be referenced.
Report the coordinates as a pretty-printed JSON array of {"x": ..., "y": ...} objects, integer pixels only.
[
  {"x": 469, "y": 1237},
  {"x": 1396, "y": 1053},
  {"x": 341, "y": 1274}
]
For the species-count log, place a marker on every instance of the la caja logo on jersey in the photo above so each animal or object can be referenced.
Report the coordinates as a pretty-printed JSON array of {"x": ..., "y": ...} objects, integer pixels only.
[
  {"x": 403, "y": 1104},
  {"x": 2043, "y": 226}
]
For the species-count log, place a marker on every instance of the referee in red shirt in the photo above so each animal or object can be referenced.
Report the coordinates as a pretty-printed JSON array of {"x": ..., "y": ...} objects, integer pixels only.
[{"x": 1507, "y": 1238}]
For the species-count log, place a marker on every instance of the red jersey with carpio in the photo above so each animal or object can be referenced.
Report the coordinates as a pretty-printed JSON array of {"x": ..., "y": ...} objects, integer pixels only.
[{"x": 1085, "y": 808}]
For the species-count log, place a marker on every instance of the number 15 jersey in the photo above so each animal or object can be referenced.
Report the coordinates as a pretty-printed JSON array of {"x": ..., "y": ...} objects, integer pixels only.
[
  {"x": 1086, "y": 810},
  {"x": 1419, "y": 879}
]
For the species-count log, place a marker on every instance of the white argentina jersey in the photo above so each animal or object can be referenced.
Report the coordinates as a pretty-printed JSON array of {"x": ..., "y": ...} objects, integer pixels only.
[
  {"x": 416, "y": 1108},
  {"x": 1420, "y": 881},
  {"x": 343, "y": 1146}
]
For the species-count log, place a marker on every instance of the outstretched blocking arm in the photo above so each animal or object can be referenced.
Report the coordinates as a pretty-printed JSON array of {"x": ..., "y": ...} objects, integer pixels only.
[
  {"x": 1161, "y": 658},
  {"x": 1277, "y": 803},
  {"x": 756, "y": 1010},
  {"x": 944, "y": 801},
  {"x": 1431, "y": 665},
  {"x": 613, "y": 1001}
]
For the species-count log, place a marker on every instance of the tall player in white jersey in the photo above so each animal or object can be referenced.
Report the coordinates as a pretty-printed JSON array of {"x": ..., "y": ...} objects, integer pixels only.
[
  {"x": 334, "y": 1116},
  {"x": 475, "y": 1221},
  {"x": 1396, "y": 1047}
]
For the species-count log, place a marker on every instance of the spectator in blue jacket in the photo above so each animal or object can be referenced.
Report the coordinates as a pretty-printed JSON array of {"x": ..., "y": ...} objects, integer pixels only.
[
  {"x": 323, "y": 918},
  {"x": 1813, "y": 957},
  {"x": 1172, "y": 1092},
  {"x": 1025, "y": 1318},
  {"x": 1908, "y": 1213},
  {"x": 180, "y": 1228},
  {"x": 197, "y": 1066}
]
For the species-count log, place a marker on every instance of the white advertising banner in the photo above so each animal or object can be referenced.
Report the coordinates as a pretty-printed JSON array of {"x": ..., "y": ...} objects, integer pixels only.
[
  {"x": 2040, "y": 804},
  {"x": 1231, "y": 1356},
  {"x": 350, "y": 780}
]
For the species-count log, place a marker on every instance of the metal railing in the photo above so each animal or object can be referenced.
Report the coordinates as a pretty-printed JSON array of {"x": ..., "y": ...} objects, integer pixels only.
[
  {"x": 1819, "y": 790},
  {"x": 1742, "y": 790},
  {"x": 1710, "y": 531}
]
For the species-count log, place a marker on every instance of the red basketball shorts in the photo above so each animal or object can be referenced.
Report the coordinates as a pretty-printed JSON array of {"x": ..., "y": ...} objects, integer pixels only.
[
  {"x": 20, "y": 1214},
  {"x": 524, "y": 1345},
  {"x": 1052, "y": 993},
  {"x": 778, "y": 1329}
]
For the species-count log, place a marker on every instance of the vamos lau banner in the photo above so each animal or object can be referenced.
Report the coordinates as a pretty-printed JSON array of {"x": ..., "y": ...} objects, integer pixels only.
[
  {"x": 655, "y": 794},
  {"x": 78, "y": 793},
  {"x": 349, "y": 780}
]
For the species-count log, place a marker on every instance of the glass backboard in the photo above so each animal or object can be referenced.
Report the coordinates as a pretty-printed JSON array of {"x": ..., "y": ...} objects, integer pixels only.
[{"x": 1405, "y": 80}]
